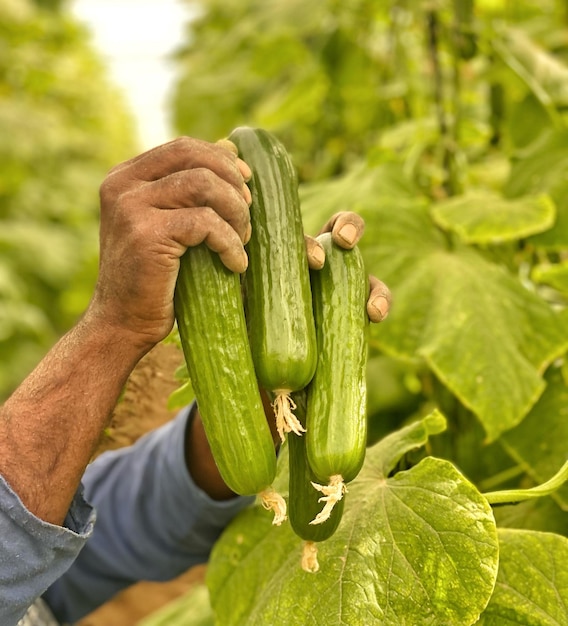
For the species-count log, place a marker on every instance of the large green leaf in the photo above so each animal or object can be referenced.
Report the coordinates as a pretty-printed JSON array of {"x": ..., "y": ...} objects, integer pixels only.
[
  {"x": 532, "y": 584},
  {"x": 486, "y": 218},
  {"x": 417, "y": 548},
  {"x": 539, "y": 442},
  {"x": 486, "y": 337}
]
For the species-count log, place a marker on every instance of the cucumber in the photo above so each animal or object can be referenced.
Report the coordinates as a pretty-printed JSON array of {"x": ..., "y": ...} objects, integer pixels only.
[
  {"x": 336, "y": 420},
  {"x": 212, "y": 328},
  {"x": 303, "y": 499},
  {"x": 277, "y": 282}
]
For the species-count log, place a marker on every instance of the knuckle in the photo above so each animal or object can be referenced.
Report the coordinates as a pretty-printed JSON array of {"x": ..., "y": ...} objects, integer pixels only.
[
  {"x": 108, "y": 189},
  {"x": 182, "y": 143}
]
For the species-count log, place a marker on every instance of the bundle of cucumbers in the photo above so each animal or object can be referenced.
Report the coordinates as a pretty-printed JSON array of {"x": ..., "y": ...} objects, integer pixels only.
[{"x": 299, "y": 335}]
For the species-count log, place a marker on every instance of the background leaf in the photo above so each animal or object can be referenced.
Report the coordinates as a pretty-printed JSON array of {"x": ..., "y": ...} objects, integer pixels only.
[
  {"x": 542, "y": 514},
  {"x": 532, "y": 584},
  {"x": 486, "y": 218}
]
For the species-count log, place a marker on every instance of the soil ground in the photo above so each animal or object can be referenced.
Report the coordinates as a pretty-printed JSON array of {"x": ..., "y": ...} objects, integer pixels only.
[{"x": 143, "y": 407}]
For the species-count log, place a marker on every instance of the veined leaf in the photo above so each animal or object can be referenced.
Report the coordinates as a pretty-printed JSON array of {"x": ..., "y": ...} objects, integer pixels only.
[
  {"x": 485, "y": 336},
  {"x": 486, "y": 218},
  {"x": 532, "y": 584},
  {"x": 489, "y": 339},
  {"x": 419, "y": 548}
]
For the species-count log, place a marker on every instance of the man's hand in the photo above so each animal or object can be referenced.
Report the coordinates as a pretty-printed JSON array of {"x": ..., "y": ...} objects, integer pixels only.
[
  {"x": 346, "y": 230},
  {"x": 153, "y": 207}
]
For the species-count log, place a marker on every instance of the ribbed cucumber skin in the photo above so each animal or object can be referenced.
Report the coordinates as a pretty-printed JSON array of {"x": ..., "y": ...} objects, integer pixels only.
[
  {"x": 277, "y": 284},
  {"x": 303, "y": 499},
  {"x": 336, "y": 420},
  {"x": 210, "y": 318}
]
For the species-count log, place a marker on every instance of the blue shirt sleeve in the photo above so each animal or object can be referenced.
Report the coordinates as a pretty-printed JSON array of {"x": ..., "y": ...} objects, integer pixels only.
[
  {"x": 34, "y": 553},
  {"x": 153, "y": 522}
]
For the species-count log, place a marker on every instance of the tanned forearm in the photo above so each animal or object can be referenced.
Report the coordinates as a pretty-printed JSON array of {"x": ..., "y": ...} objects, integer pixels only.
[{"x": 50, "y": 426}]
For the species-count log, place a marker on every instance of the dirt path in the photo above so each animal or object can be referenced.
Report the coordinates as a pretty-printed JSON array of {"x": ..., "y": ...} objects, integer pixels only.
[{"x": 143, "y": 408}]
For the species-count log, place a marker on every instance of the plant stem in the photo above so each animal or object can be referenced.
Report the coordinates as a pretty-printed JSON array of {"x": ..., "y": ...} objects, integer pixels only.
[
  {"x": 512, "y": 496},
  {"x": 450, "y": 184},
  {"x": 433, "y": 41}
]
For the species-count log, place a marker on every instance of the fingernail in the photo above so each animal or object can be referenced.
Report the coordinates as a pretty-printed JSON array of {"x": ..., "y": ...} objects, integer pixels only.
[
  {"x": 317, "y": 257},
  {"x": 380, "y": 306},
  {"x": 348, "y": 233},
  {"x": 245, "y": 262},
  {"x": 247, "y": 195},
  {"x": 228, "y": 145},
  {"x": 245, "y": 170},
  {"x": 248, "y": 233}
]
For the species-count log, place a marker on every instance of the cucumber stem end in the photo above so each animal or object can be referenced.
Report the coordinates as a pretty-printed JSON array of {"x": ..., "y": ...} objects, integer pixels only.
[
  {"x": 332, "y": 494},
  {"x": 286, "y": 421},
  {"x": 310, "y": 557},
  {"x": 273, "y": 501}
]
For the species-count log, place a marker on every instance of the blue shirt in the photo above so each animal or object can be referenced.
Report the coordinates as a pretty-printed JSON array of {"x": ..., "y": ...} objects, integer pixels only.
[{"x": 152, "y": 523}]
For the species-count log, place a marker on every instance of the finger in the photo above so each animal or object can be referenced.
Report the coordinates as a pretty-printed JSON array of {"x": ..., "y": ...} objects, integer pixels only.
[
  {"x": 231, "y": 147},
  {"x": 346, "y": 228},
  {"x": 183, "y": 153},
  {"x": 228, "y": 145},
  {"x": 197, "y": 188},
  {"x": 379, "y": 301},
  {"x": 315, "y": 253},
  {"x": 143, "y": 155},
  {"x": 190, "y": 227}
]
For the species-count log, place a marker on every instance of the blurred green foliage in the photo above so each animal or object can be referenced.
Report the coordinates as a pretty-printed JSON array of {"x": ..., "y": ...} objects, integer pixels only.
[
  {"x": 445, "y": 125},
  {"x": 62, "y": 125},
  {"x": 324, "y": 75}
]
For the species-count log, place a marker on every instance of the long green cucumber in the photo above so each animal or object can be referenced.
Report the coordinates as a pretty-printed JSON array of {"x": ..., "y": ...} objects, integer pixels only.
[
  {"x": 303, "y": 500},
  {"x": 211, "y": 323},
  {"x": 277, "y": 283},
  {"x": 336, "y": 420}
]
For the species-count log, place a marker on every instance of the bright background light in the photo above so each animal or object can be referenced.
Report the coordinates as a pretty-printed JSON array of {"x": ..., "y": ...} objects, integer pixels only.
[{"x": 136, "y": 39}]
